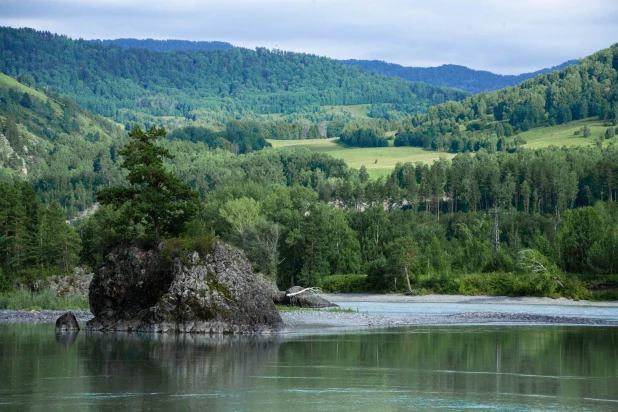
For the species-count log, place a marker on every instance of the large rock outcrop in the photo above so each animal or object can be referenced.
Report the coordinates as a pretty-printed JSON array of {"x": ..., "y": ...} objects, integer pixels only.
[{"x": 147, "y": 291}]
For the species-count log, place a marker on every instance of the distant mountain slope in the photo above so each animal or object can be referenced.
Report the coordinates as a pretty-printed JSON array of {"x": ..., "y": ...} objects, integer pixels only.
[
  {"x": 166, "y": 45},
  {"x": 67, "y": 153},
  {"x": 450, "y": 75},
  {"x": 215, "y": 85},
  {"x": 492, "y": 120}
]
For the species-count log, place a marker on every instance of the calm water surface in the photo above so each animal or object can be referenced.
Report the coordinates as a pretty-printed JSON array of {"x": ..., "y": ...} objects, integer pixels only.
[
  {"x": 456, "y": 367},
  {"x": 441, "y": 309}
]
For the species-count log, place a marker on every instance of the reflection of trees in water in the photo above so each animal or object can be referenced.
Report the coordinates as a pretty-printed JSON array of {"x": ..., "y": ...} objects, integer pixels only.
[
  {"x": 467, "y": 359},
  {"x": 175, "y": 364},
  {"x": 484, "y": 362}
]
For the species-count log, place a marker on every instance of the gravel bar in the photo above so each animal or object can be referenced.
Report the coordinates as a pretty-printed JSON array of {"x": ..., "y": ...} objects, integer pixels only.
[
  {"x": 308, "y": 318},
  {"x": 498, "y": 300}
]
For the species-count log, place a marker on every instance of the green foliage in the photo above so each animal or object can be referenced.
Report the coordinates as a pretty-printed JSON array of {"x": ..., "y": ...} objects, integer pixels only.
[
  {"x": 403, "y": 257},
  {"x": 509, "y": 284},
  {"x": 363, "y": 138},
  {"x": 238, "y": 136},
  {"x": 188, "y": 243},
  {"x": 35, "y": 237},
  {"x": 488, "y": 120},
  {"x": 155, "y": 196},
  {"x": 45, "y": 300},
  {"x": 344, "y": 284}
]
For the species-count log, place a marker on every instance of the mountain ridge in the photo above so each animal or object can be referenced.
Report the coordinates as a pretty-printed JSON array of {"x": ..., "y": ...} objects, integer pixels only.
[
  {"x": 452, "y": 75},
  {"x": 471, "y": 80},
  {"x": 147, "y": 87}
]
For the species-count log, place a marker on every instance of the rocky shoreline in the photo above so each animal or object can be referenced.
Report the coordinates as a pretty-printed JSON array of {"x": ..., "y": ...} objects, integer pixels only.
[{"x": 330, "y": 319}]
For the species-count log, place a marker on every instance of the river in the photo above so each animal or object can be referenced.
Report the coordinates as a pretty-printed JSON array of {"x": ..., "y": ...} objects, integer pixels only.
[{"x": 496, "y": 367}]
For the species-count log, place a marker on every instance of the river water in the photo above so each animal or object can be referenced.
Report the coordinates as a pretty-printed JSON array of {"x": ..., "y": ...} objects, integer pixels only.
[
  {"x": 444, "y": 309},
  {"x": 496, "y": 367}
]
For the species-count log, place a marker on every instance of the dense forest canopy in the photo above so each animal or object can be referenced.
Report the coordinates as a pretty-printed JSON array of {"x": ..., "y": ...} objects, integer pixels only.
[
  {"x": 139, "y": 85},
  {"x": 451, "y": 75},
  {"x": 68, "y": 154},
  {"x": 589, "y": 89}
]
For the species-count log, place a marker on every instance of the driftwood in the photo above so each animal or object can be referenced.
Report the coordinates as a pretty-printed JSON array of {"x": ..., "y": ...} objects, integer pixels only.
[
  {"x": 309, "y": 291},
  {"x": 306, "y": 298}
]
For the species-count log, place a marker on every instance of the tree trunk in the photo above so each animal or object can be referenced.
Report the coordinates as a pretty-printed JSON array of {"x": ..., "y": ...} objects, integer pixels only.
[
  {"x": 496, "y": 229},
  {"x": 408, "y": 280}
]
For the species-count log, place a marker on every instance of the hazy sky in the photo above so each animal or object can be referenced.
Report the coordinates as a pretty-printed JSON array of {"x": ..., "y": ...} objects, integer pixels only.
[{"x": 504, "y": 36}]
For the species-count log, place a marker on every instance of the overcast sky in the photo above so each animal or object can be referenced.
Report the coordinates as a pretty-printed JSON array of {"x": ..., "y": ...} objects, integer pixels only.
[{"x": 503, "y": 36}]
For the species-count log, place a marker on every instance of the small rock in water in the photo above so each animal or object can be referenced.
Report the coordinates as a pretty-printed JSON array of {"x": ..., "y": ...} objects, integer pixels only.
[{"x": 67, "y": 323}]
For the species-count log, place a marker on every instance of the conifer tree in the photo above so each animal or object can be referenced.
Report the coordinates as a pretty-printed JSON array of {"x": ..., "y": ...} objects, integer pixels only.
[{"x": 154, "y": 195}]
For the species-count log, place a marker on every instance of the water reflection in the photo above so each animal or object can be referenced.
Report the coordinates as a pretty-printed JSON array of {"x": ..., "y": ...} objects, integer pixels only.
[
  {"x": 501, "y": 367},
  {"x": 66, "y": 338}
]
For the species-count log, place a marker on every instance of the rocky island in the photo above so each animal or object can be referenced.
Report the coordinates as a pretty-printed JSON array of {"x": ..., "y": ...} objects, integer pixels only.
[{"x": 144, "y": 290}]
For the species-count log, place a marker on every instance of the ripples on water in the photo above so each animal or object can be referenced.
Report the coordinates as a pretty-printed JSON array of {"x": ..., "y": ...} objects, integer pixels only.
[{"x": 459, "y": 367}]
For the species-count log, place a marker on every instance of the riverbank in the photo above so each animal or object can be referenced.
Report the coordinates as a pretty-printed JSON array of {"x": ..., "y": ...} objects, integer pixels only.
[
  {"x": 498, "y": 300},
  {"x": 295, "y": 319}
]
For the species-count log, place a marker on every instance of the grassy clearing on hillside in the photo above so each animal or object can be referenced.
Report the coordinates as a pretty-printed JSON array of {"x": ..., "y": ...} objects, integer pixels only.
[
  {"x": 563, "y": 134},
  {"x": 357, "y": 110},
  {"x": 387, "y": 157},
  {"x": 9, "y": 82}
]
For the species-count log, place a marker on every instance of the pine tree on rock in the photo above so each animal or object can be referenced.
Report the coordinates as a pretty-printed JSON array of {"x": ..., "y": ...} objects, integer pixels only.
[{"x": 154, "y": 196}]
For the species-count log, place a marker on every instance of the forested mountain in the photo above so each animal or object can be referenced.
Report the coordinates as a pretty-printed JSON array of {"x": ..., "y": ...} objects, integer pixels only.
[
  {"x": 451, "y": 75},
  {"x": 139, "y": 85},
  {"x": 490, "y": 120},
  {"x": 68, "y": 153},
  {"x": 556, "y": 207},
  {"x": 166, "y": 45}
]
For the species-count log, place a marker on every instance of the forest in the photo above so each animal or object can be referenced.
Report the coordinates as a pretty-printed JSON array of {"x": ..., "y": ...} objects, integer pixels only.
[
  {"x": 539, "y": 222},
  {"x": 496, "y": 219},
  {"x": 143, "y": 86},
  {"x": 486, "y": 120}
]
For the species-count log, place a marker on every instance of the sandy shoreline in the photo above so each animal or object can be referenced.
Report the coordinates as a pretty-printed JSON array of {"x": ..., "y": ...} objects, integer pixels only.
[{"x": 501, "y": 300}]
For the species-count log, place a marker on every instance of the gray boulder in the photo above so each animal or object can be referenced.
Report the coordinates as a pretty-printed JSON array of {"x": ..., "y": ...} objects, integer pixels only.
[
  {"x": 147, "y": 290},
  {"x": 306, "y": 299},
  {"x": 67, "y": 323}
]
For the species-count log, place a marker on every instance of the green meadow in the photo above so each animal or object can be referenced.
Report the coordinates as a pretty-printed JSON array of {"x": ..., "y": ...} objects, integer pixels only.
[
  {"x": 379, "y": 161},
  {"x": 564, "y": 134}
]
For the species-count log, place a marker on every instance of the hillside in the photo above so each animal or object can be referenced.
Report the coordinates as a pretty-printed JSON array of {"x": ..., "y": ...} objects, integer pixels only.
[
  {"x": 181, "y": 87},
  {"x": 494, "y": 120},
  {"x": 451, "y": 75},
  {"x": 66, "y": 152}
]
